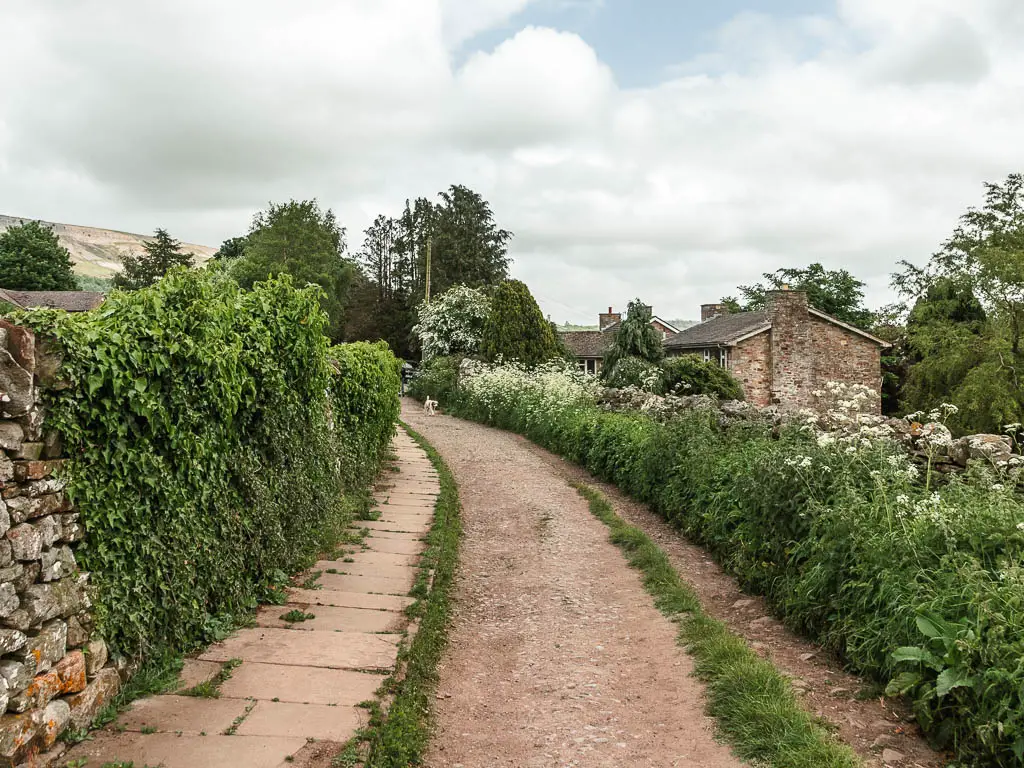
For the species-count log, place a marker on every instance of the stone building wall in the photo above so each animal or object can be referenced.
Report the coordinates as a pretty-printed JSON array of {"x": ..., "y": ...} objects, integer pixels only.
[
  {"x": 54, "y": 671},
  {"x": 750, "y": 363},
  {"x": 806, "y": 352}
]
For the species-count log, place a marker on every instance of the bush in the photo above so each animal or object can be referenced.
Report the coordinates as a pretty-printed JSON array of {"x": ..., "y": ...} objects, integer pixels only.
[
  {"x": 906, "y": 583},
  {"x": 516, "y": 328},
  {"x": 214, "y": 449},
  {"x": 689, "y": 375},
  {"x": 634, "y": 372},
  {"x": 436, "y": 379}
]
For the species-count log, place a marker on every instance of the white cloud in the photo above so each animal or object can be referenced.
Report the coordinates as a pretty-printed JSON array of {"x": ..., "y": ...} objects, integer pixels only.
[{"x": 854, "y": 139}]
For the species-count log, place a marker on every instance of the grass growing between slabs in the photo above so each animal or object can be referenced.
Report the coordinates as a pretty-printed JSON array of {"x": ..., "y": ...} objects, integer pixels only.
[
  {"x": 755, "y": 708},
  {"x": 400, "y": 737}
]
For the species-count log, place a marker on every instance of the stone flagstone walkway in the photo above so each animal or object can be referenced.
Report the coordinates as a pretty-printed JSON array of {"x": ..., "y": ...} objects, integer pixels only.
[{"x": 292, "y": 699}]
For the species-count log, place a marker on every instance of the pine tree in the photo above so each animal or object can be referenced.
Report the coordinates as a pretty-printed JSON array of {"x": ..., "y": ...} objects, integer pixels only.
[
  {"x": 32, "y": 259},
  {"x": 516, "y": 328},
  {"x": 161, "y": 254}
]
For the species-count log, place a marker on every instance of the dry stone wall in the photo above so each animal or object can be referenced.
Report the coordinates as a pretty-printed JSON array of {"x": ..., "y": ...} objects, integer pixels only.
[{"x": 54, "y": 672}]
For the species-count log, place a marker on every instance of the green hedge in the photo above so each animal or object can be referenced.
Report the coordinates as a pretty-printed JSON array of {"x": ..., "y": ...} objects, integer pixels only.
[
  {"x": 213, "y": 447},
  {"x": 907, "y": 584}
]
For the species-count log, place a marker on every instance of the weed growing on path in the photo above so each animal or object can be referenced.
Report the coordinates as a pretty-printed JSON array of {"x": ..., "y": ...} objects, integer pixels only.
[
  {"x": 295, "y": 616},
  {"x": 755, "y": 707},
  {"x": 211, "y": 688}
]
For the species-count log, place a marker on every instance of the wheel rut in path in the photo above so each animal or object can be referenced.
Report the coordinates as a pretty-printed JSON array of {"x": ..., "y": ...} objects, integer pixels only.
[
  {"x": 556, "y": 655},
  {"x": 293, "y": 699}
]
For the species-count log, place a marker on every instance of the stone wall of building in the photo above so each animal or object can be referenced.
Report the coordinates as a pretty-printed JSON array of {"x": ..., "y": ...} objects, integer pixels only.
[
  {"x": 807, "y": 352},
  {"x": 54, "y": 671},
  {"x": 750, "y": 363}
]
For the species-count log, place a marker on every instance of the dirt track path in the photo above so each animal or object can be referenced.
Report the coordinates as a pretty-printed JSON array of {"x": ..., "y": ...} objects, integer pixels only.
[{"x": 557, "y": 656}]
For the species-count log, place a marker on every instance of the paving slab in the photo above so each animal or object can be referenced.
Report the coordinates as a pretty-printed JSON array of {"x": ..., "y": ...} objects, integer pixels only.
[
  {"x": 188, "y": 714},
  {"x": 312, "y": 685},
  {"x": 168, "y": 750},
  {"x": 331, "y": 618},
  {"x": 396, "y": 543},
  {"x": 362, "y": 568},
  {"x": 308, "y": 721},
  {"x": 373, "y": 555},
  {"x": 334, "y": 650},
  {"x": 350, "y": 599},
  {"x": 369, "y": 584},
  {"x": 426, "y": 508},
  {"x": 419, "y": 528},
  {"x": 194, "y": 672}
]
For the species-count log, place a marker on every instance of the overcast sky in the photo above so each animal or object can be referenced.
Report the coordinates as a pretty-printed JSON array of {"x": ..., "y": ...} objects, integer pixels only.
[{"x": 667, "y": 149}]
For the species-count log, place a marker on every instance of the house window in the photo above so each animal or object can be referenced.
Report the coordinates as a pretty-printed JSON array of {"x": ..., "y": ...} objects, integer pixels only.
[
  {"x": 592, "y": 366},
  {"x": 582, "y": 364},
  {"x": 723, "y": 357},
  {"x": 707, "y": 355}
]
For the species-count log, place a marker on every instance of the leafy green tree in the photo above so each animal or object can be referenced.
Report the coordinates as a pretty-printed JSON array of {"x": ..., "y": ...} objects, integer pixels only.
[
  {"x": 299, "y": 239},
  {"x": 968, "y": 319},
  {"x": 32, "y": 259},
  {"x": 636, "y": 338},
  {"x": 159, "y": 255},
  {"x": 835, "y": 292},
  {"x": 467, "y": 247},
  {"x": 516, "y": 328},
  {"x": 231, "y": 249}
]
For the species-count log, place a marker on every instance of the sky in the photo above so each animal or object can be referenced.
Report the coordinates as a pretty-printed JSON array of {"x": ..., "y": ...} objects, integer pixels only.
[{"x": 663, "y": 149}]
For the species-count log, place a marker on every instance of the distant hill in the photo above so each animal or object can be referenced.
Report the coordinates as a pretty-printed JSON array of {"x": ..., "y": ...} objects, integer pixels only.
[
  {"x": 97, "y": 252},
  {"x": 680, "y": 324}
]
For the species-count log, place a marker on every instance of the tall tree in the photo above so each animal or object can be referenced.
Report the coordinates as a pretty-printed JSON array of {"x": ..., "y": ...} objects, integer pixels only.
[
  {"x": 160, "y": 254},
  {"x": 452, "y": 323},
  {"x": 299, "y": 239},
  {"x": 967, "y": 354},
  {"x": 636, "y": 338},
  {"x": 516, "y": 328},
  {"x": 231, "y": 249},
  {"x": 467, "y": 247},
  {"x": 835, "y": 292},
  {"x": 32, "y": 259}
]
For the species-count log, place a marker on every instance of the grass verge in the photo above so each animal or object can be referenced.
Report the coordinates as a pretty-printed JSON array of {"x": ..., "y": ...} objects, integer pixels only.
[
  {"x": 754, "y": 706},
  {"x": 399, "y": 737}
]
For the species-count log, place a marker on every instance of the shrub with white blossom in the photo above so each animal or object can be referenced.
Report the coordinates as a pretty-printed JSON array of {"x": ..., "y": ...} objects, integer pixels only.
[{"x": 452, "y": 323}]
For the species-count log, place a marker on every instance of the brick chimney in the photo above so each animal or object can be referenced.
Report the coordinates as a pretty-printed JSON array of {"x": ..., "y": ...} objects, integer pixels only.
[
  {"x": 608, "y": 318},
  {"x": 792, "y": 356},
  {"x": 708, "y": 311}
]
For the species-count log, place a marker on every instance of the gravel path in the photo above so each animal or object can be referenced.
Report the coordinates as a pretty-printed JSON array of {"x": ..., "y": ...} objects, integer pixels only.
[{"x": 557, "y": 656}]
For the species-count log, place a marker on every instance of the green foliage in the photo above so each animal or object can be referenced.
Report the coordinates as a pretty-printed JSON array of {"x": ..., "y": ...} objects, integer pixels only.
[
  {"x": 32, "y": 259},
  {"x": 298, "y": 239},
  {"x": 689, "y": 375},
  {"x": 835, "y": 292},
  {"x": 843, "y": 540},
  {"x": 635, "y": 338},
  {"x": 466, "y": 248},
  {"x": 232, "y": 248},
  {"x": 160, "y": 255},
  {"x": 436, "y": 379},
  {"x": 516, "y": 328},
  {"x": 214, "y": 447},
  {"x": 633, "y": 372},
  {"x": 968, "y": 320}
]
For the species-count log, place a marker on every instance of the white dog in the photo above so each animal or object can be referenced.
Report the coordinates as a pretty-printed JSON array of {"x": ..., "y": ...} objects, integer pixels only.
[{"x": 429, "y": 406}]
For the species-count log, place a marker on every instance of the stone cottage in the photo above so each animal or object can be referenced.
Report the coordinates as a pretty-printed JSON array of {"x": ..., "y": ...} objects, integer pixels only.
[
  {"x": 589, "y": 347},
  {"x": 783, "y": 354}
]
